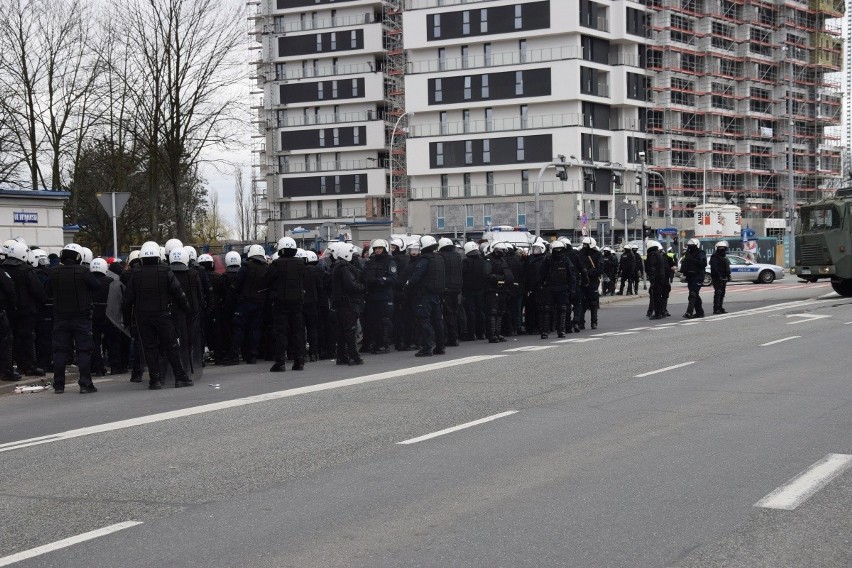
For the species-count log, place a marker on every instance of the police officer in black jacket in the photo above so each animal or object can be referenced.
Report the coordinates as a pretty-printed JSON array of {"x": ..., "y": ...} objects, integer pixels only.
[
  {"x": 151, "y": 291},
  {"x": 610, "y": 270},
  {"x": 498, "y": 281},
  {"x": 535, "y": 297},
  {"x": 720, "y": 273},
  {"x": 72, "y": 286},
  {"x": 558, "y": 278},
  {"x": 400, "y": 319},
  {"x": 251, "y": 298},
  {"x": 7, "y": 306},
  {"x": 577, "y": 292},
  {"x": 474, "y": 273},
  {"x": 316, "y": 301},
  {"x": 347, "y": 300},
  {"x": 592, "y": 262},
  {"x": 285, "y": 280},
  {"x": 380, "y": 274},
  {"x": 100, "y": 325},
  {"x": 657, "y": 269},
  {"x": 453, "y": 282},
  {"x": 692, "y": 266},
  {"x": 188, "y": 323},
  {"x": 30, "y": 296},
  {"x": 626, "y": 268},
  {"x": 44, "y": 319},
  {"x": 427, "y": 283}
]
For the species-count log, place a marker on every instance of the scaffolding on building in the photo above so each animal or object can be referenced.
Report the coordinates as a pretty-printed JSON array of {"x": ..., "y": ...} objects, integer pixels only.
[
  {"x": 258, "y": 31},
  {"x": 396, "y": 131},
  {"x": 721, "y": 101}
]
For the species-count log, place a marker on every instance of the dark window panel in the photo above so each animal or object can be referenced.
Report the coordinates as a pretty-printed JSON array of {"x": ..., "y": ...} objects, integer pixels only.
[
  {"x": 462, "y": 153},
  {"x": 497, "y": 20},
  {"x": 310, "y": 186},
  {"x": 536, "y": 83},
  {"x": 308, "y": 44},
  {"x": 323, "y": 138},
  {"x": 308, "y": 92},
  {"x": 284, "y": 4}
]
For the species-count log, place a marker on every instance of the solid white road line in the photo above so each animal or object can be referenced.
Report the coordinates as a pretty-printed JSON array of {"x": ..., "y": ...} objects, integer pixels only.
[
  {"x": 800, "y": 488},
  {"x": 65, "y": 543},
  {"x": 663, "y": 370},
  {"x": 457, "y": 428},
  {"x": 225, "y": 404},
  {"x": 780, "y": 340}
]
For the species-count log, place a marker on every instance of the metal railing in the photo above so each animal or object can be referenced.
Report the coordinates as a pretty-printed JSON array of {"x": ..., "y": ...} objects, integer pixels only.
[
  {"x": 496, "y": 125},
  {"x": 328, "y": 166},
  {"x": 326, "y": 71},
  {"x": 494, "y": 190},
  {"x": 516, "y": 57},
  {"x": 293, "y": 214},
  {"x": 340, "y": 118},
  {"x": 340, "y": 21}
]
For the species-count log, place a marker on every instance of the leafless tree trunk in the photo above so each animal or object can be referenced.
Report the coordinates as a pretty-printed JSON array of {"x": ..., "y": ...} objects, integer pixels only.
[{"x": 242, "y": 206}]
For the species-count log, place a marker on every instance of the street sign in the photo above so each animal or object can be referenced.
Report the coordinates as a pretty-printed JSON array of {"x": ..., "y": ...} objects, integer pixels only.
[
  {"x": 626, "y": 213},
  {"x": 121, "y": 199},
  {"x": 667, "y": 231}
]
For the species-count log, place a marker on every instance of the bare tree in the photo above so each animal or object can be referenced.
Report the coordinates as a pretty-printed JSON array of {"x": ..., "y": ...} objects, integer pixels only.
[
  {"x": 242, "y": 206},
  {"x": 189, "y": 52},
  {"x": 211, "y": 227}
]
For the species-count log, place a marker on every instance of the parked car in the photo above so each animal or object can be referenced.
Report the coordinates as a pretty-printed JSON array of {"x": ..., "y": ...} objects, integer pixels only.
[{"x": 744, "y": 270}]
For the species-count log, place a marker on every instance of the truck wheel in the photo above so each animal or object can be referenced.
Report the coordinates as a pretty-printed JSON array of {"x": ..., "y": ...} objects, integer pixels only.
[{"x": 842, "y": 287}]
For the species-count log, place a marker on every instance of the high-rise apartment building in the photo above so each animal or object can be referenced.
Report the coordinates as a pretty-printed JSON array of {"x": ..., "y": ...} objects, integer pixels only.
[{"x": 439, "y": 114}]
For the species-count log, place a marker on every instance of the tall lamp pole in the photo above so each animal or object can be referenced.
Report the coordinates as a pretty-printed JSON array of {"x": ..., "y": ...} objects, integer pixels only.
[
  {"x": 390, "y": 189},
  {"x": 791, "y": 190}
]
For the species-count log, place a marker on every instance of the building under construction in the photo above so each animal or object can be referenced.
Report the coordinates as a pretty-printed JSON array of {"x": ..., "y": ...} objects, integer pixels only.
[{"x": 743, "y": 93}]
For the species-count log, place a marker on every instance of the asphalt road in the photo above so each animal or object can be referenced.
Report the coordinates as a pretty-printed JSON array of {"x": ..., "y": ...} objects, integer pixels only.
[{"x": 599, "y": 453}]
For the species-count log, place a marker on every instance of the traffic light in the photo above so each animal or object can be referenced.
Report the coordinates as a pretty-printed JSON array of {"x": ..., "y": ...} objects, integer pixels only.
[
  {"x": 617, "y": 179},
  {"x": 562, "y": 173},
  {"x": 647, "y": 232},
  {"x": 639, "y": 181}
]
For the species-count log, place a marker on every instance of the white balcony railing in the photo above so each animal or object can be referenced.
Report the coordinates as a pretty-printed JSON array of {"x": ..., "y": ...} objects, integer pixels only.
[
  {"x": 340, "y": 118},
  {"x": 300, "y": 167},
  {"x": 297, "y": 72},
  {"x": 496, "y": 125},
  {"x": 494, "y": 190},
  {"x": 516, "y": 57},
  {"x": 323, "y": 23}
]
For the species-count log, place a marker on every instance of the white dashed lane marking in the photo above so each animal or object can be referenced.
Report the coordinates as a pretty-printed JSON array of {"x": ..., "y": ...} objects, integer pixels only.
[
  {"x": 664, "y": 369},
  {"x": 780, "y": 340},
  {"x": 65, "y": 543},
  {"x": 457, "y": 428},
  {"x": 803, "y": 486}
]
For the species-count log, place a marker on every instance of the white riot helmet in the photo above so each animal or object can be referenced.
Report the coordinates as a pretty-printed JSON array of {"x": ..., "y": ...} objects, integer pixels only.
[
  {"x": 381, "y": 243},
  {"x": 722, "y": 244},
  {"x": 538, "y": 247},
  {"x": 693, "y": 242},
  {"x": 414, "y": 248},
  {"x": 300, "y": 253},
  {"x": 651, "y": 245},
  {"x": 38, "y": 257},
  {"x": 233, "y": 259},
  {"x": 471, "y": 247},
  {"x": 6, "y": 245},
  {"x": 87, "y": 256},
  {"x": 98, "y": 265},
  {"x": 256, "y": 251},
  {"x": 557, "y": 245},
  {"x": 427, "y": 241},
  {"x": 500, "y": 247},
  {"x": 179, "y": 256},
  {"x": 149, "y": 249},
  {"x": 286, "y": 243},
  {"x": 346, "y": 252},
  {"x": 311, "y": 256},
  {"x": 398, "y": 243},
  {"x": 191, "y": 253},
  {"x": 172, "y": 244},
  {"x": 73, "y": 250},
  {"x": 589, "y": 241},
  {"x": 17, "y": 250},
  {"x": 444, "y": 242},
  {"x": 565, "y": 240},
  {"x": 134, "y": 255},
  {"x": 634, "y": 248},
  {"x": 205, "y": 258}
]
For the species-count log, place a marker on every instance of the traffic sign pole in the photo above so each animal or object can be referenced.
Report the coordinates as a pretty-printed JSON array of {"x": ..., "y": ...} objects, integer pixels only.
[{"x": 114, "y": 227}]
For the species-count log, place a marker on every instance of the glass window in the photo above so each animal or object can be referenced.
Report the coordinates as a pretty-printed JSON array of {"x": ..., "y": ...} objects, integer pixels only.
[
  {"x": 358, "y": 183},
  {"x": 519, "y": 18},
  {"x": 319, "y": 42},
  {"x": 486, "y": 212},
  {"x": 519, "y": 82},
  {"x": 280, "y": 71},
  {"x": 486, "y": 151},
  {"x": 442, "y": 59},
  {"x": 522, "y": 50},
  {"x": 322, "y": 185},
  {"x": 320, "y": 91},
  {"x": 466, "y": 120},
  {"x": 439, "y": 217},
  {"x": 353, "y": 39},
  {"x": 468, "y": 151},
  {"x": 336, "y": 184},
  {"x": 284, "y": 164},
  {"x": 333, "y": 41},
  {"x": 281, "y": 116},
  {"x": 524, "y": 116},
  {"x": 466, "y": 23},
  {"x": 439, "y": 154},
  {"x": 485, "y": 92},
  {"x": 439, "y": 93},
  {"x": 820, "y": 218},
  {"x": 483, "y": 21},
  {"x": 443, "y": 119},
  {"x": 489, "y": 119},
  {"x": 356, "y": 134},
  {"x": 522, "y": 213},
  {"x": 322, "y": 138},
  {"x": 355, "y": 88},
  {"x": 336, "y": 134},
  {"x": 436, "y": 25},
  {"x": 521, "y": 152},
  {"x": 467, "y": 88},
  {"x": 467, "y": 187},
  {"x": 489, "y": 190},
  {"x": 486, "y": 51},
  {"x": 465, "y": 51},
  {"x": 334, "y": 89},
  {"x": 525, "y": 181},
  {"x": 468, "y": 216},
  {"x": 445, "y": 186}
]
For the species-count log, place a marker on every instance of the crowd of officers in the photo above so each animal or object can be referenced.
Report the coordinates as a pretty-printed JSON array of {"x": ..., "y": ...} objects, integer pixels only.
[{"x": 170, "y": 311}]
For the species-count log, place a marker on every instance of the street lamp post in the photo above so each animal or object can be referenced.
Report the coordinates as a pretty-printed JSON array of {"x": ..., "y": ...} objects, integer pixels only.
[
  {"x": 537, "y": 211},
  {"x": 791, "y": 190},
  {"x": 390, "y": 189}
]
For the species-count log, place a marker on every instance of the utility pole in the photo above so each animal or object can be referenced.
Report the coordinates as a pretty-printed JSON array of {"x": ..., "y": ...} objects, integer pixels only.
[{"x": 791, "y": 189}]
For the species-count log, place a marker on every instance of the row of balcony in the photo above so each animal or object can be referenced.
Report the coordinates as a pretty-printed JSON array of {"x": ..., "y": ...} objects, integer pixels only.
[
  {"x": 495, "y": 190},
  {"x": 287, "y": 214},
  {"x": 287, "y": 166}
]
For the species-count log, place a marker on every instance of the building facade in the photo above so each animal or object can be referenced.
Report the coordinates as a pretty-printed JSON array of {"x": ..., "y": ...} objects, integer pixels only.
[{"x": 438, "y": 116}]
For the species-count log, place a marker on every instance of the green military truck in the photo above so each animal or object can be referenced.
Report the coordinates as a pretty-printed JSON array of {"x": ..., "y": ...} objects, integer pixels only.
[{"x": 824, "y": 241}]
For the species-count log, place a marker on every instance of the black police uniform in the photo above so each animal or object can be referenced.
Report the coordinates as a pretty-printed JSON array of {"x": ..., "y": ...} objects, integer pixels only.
[
  {"x": 72, "y": 287},
  {"x": 315, "y": 300},
  {"x": 626, "y": 268},
  {"x": 285, "y": 279},
  {"x": 401, "y": 322},
  {"x": 100, "y": 324},
  {"x": 610, "y": 269},
  {"x": 656, "y": 267},
  {"x": 29, "y": 297},
  {"x": 693, "y": 265},
  {"x": 44, "y": 325},
  {"x": 593, "y": 264},
  {"x": 248, "y": 317},
  {"x": 427, "y": 283},
  {"x": 347, "y": 299},
  {"x": 188, "y": 323},
  {"x": 151, "y": 292},
  {"x": 720, "y": 273},
  {"x": 576, "y": 293},
  {"x": 499, "y": 278},
  {"x": 453, "y": 280},
  {"x": 558, "y": 278},
  {"x": 7, "y": 306},
  {"x": 474, "y": 274},
  {"x": 380, "y": 275}
]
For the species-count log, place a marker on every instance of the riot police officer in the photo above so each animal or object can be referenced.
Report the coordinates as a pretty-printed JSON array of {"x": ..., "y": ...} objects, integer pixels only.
[
  {"x": 400, "y": 323},
  {"x": 347, "y": 299},
  {"x": 380, "y": 274},
  {"x": 610, "y": 270},
  {"x": 100, "y": 324},
  {"x": 7, "y": 306},
  {"x": 558, "y": 278},
  {"x": 656, "y": 268},
  {"x": 577, "y": 317},
  {"x": 72, "y": 286},
  {"x": 285, "y": 280},
  {"x": 30, "y": 295},
  {"x": 427, "y": 283},
  {"x": 227, "y": 305},
  {"x": 453, "y": 286},
  {"x": 474, "y": 273},
  {"x": 535, "y": 298},
  {"x": 720, "y": 273},
  {"x": 626, "y": 268},
  {"x": 593, "y": 265},
  {"x": 188, "y": 322},
  {"x": 316, "y": 301},
  {"x": 692, "y": 266},
  {"x": 499, "y": 279},
  {"x": 251, "y": 300},
  {"x": 150, "y": 292},
  {"x": 44, "y": 319}
]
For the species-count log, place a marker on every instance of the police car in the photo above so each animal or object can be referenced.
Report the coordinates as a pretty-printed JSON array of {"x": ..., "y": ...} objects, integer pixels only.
[{"x": 744, "y": 270}]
